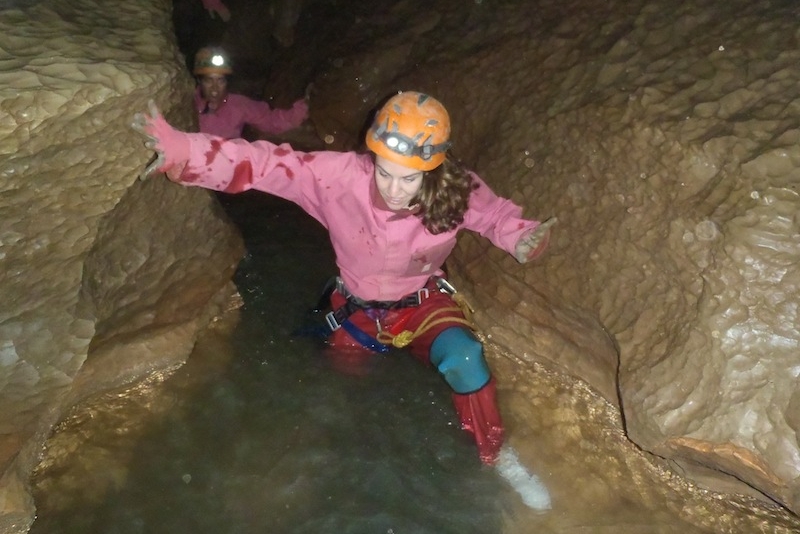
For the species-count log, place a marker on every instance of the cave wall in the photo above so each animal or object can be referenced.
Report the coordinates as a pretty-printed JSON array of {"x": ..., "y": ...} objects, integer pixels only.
[{"x": 106, "y": 278}]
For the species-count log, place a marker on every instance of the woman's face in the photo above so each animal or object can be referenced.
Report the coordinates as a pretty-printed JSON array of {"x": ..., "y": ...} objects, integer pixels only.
[
  {"x": 396, "y": 183},
  {"x": 214, "y": 88}
]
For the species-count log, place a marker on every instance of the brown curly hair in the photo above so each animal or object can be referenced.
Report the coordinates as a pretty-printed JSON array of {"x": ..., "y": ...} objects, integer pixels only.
[{"x": 444, "y": 196}]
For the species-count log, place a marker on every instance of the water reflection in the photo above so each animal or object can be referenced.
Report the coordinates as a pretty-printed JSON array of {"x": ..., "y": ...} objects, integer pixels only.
[{"x": 264, "y": 432}]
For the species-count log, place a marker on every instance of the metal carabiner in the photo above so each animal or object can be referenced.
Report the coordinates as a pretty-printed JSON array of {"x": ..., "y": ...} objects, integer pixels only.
[{"x": 445, "y": 286}]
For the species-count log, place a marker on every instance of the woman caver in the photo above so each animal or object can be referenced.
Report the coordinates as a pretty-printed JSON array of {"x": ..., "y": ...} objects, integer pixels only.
[
  {"x": 225, "y": 114},
  {"x": 392, "y": 214}
]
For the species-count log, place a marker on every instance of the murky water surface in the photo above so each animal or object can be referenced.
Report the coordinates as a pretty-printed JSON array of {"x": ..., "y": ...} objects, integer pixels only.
[{"x": 263, "y": 431}]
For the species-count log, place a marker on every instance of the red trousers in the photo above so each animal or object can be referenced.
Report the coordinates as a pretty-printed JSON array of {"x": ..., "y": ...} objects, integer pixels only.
[{"x": 477, "y": 411}]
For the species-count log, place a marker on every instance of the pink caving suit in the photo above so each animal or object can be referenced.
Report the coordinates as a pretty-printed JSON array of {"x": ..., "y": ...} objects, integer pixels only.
[
  {"x": 381, "y": 254},
  {"x": 214, "y": 5},
  {"x": 229, "y": 119}
]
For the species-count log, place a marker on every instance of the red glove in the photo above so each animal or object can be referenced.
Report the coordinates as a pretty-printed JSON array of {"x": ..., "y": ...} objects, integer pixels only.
[
  {"x": 532, "y": 245},
  {"x": 171, "y": 146}
]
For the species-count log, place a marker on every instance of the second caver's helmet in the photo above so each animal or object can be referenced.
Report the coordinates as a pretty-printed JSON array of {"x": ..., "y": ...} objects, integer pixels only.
[
  {"x": 412, "y": 129},
  {"x": 211, "y": 60}
]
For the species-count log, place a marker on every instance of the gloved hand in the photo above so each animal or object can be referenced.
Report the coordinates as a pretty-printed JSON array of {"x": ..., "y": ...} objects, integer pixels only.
[
  {"x": 531, "y": 245},
  {"x": 170, "y": 145},
  {"x": 216, "y": 6}
]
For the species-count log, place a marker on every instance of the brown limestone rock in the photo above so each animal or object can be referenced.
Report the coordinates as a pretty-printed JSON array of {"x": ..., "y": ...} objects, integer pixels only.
[
  {"x": 666, "y": 144},
  {"x": 700, "y": 458},
  {"x": 105, "y": 278},
  {"x": 530, "y": 322}
]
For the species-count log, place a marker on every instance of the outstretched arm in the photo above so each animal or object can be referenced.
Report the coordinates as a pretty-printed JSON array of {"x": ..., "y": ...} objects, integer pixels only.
[
  {"x": 275, "y": 120},
  {"x": 235, "y": 165},
  {"x": 212, "y": 162},
  {"x": 218, "y": 7},
  {"x": 501, "y": 221}
]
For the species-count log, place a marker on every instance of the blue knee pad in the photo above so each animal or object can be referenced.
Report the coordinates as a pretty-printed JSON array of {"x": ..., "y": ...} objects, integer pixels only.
[{"x": 459, "y": 357}]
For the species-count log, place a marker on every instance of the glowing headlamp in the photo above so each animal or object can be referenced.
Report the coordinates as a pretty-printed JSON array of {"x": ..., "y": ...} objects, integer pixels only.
[
  {"x": 405, "y": 146},
  {"x": 217, "y": 60},
  {"x": 397, "y": 145}
]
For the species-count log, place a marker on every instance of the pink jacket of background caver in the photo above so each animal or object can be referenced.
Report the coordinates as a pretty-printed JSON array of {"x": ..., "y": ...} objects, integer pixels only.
[
  {"x": 229, "y": 119},
  {"x": 214, "y": 5},
  {"x": 381, "y": 254}
]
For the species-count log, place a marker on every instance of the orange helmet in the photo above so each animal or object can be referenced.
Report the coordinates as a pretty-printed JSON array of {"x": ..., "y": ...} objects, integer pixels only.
[
  {"x": 412, "y": 129},
  {"x": 211, "y": 60}
]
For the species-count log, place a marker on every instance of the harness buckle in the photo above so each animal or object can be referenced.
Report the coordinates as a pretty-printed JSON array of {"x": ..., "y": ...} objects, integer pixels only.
[
  {"x": 333, "y": 324},
  {"x": 422, "y": 294}
]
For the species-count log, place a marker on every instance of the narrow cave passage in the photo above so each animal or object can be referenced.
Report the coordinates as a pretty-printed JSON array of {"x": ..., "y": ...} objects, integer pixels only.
[{"x": 263, "y": 431}]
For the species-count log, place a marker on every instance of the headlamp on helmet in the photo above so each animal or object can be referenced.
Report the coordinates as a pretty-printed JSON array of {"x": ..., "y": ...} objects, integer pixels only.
[{"x": 211, "y": 60}]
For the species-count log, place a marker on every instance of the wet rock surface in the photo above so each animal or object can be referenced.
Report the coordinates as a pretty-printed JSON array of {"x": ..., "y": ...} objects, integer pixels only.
[
  {"x": 664, "y": 136},
  {"x": 106, "y": 279}
]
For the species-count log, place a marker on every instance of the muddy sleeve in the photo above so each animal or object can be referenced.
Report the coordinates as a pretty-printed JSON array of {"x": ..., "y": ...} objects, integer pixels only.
[
  {"x": 496, "y": 218},
  {"x": 235, "y": 165},
  {"x": 272, "y": 120}
]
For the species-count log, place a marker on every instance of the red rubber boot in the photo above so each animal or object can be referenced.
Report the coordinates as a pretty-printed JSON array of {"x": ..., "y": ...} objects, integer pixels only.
[{"x": 479, "y": 415}]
